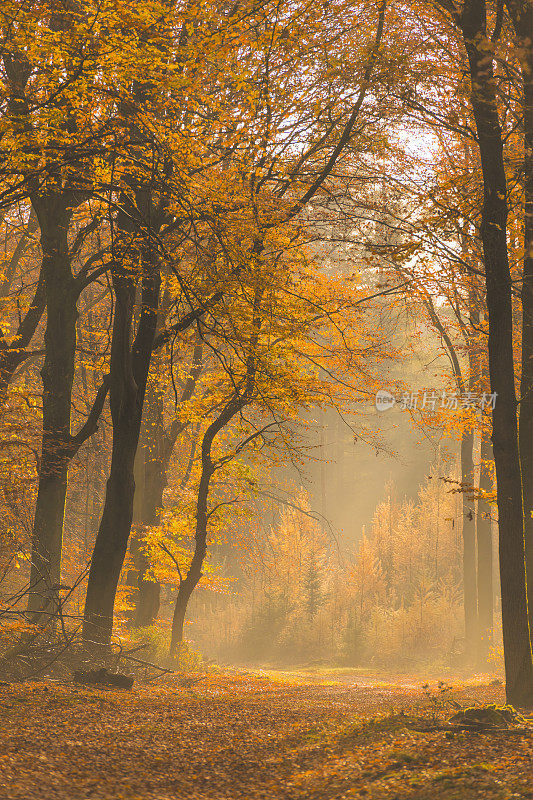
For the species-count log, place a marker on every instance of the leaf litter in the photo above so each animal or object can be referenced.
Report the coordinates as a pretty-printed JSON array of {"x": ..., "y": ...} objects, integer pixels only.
[{"x": 253, "y": 736}]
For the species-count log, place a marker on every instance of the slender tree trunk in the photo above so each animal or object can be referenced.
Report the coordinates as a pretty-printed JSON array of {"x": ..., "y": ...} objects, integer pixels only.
[
  {"x": 322, "y": 467},
  {"x": 57, "y": 376},
  {"x": 484, "y": 554},
  {"x": 235, "y": 404},
  {"x": 517, "y": 648},
  {"x": 158, "y": 446},
  {"x": 468, "y": 530},
  {"x": 194, "y": 573},
  {"x": 13, "y": 354},
  {"x": 469, "y": 542}
]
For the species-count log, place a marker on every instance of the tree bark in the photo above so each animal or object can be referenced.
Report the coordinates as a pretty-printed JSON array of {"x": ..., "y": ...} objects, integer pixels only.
[
  {"x": 484, "y": 554},
  {"x": 469, "y": 542},
  {"x": 517, "y": 648},
  {"x": 147, "y": 594},
  {"x": 158, "y": 446},
  {"x": 194, "y": 573},
  {"x": 521, "y": 13},
  {"x": 128, "y": 376},
  {"x": 57, "y": 376}
]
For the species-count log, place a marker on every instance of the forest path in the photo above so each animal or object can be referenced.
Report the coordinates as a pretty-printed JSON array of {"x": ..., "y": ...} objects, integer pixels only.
[{"x": 254, "y": 735}]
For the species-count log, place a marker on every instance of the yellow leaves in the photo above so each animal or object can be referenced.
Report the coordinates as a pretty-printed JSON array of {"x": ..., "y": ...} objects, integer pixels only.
[
  {"x": 339, "y": 724},
  {"x": 169, "y": 547}
]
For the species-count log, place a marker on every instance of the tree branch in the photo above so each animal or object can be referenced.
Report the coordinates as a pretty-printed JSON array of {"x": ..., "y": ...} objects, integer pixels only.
[{"x": 90, "y": 425}]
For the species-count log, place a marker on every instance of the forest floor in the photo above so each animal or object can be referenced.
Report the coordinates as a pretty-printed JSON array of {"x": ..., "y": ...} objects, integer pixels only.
[{"x": 257, "y": 735}]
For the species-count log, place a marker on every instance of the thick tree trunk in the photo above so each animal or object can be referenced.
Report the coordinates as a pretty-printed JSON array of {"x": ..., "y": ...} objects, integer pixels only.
[
  {"x": 128, "y": 376},
  {"x": 517, "y": 649},
  {"x": 522, "y": 15},
  {"x": 526, "y": 429},
  {"x": 139, "y": 561},
  {"x": 151, "y": 471},
  {"x": 484, "y": 555},
  {"x": 149, "y": 598},
  {"x": 148, "y": 591},
  {"x": 526, "y": 412},
  {"x": 469, "y": 542},
  {"x": 57, "y": 375}
]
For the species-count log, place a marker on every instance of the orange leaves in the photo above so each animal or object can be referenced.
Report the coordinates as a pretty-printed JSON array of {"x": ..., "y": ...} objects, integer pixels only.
[{"x": 250, "y": 735}]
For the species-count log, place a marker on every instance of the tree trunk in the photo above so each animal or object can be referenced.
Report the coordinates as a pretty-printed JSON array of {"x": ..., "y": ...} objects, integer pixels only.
[
  {"x": 194, "y": 573},
  {"x": 145, "y": 603},
  {"x": 57, "y": 376},
  {"x": 469, "y": 542},
  {"x": 158, "y": 446},
  {"x": 484, "y": 555},
  {"x": 148, "y": 599},
  {"x": 468, "y": 530},
  {"x": 238, "y": 400},
  {"x": 522, "y": 15},
  {"x": 148, "y": 591},
  {"x": 149, "y": 499},
  {"x": 128, "y": 376},
  {"x": 517, "y": 649}
]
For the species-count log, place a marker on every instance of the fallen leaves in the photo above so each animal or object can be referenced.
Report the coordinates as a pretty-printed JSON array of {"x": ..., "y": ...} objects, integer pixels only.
[{"x": 247, "y": 736}]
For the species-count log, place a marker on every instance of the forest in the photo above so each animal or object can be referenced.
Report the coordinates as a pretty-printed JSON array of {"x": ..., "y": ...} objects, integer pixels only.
[{"x": 266, "y": 399}]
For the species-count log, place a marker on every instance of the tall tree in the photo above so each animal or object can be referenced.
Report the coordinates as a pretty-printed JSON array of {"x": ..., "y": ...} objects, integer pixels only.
[
  {"x": 521, "y": 13},
  {"x": 128, "y": 374},
  {"x": 52, "y": 128},
  {"x": 472, "y": 22}
]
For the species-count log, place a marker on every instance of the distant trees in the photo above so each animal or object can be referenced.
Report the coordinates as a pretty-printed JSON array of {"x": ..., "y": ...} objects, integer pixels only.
[{"x": 302, "y": 601}]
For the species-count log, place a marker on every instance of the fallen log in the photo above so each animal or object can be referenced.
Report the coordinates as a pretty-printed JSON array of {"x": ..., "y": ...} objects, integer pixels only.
[{"x": 103, "y": 677}]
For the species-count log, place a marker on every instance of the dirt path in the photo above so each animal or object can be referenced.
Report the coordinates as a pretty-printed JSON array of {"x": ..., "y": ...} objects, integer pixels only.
[{"x": 252, "y": 736}]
